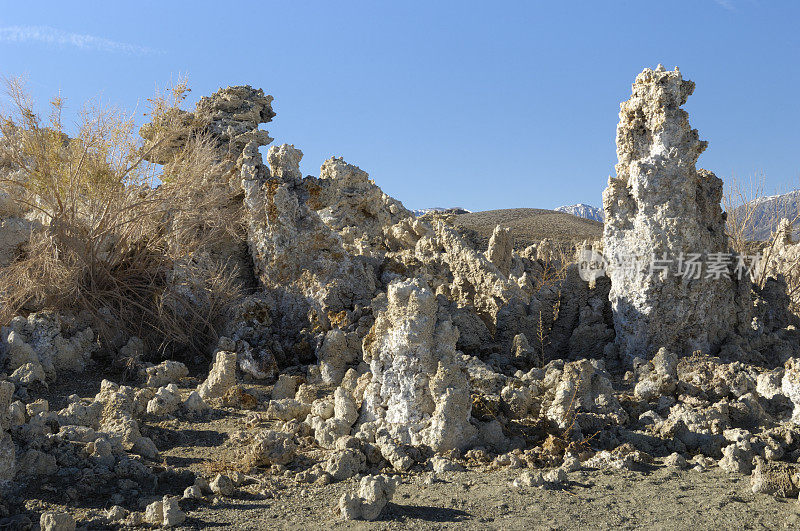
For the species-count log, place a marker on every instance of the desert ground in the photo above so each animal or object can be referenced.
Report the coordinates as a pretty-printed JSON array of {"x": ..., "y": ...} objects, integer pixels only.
[{"x": 482, "y": 495}]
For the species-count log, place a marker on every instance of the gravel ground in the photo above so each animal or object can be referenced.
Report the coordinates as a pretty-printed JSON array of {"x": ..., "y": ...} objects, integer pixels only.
[
  {"x": 663, "y": 498},
  {"x": 659, "y": 497}
]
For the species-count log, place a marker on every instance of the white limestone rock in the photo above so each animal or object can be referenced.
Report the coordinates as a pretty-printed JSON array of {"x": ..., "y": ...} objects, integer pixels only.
[
  {"x": 113, "y": 411},
  {"x": 117, "y": 513},
  {"x": 285, "y": 387},
  {"x": 782, "y": 260},
  {"x": 269, "y": 447},
  {"x": 676, "y": 460},
  {"x": 737, "y": 458},
  {"x": 476, "y": 280},
  {"x": 440, "y": 465},
  {"x": 581, "y": 396},
  {"x": 556, "y": 476},
  {"x": 418, "y": 391},
  {"x": 344, "y": 464},
  {"x": 790, "y": 385},
  {"x": 48, "y": 340},
  {"x": 770, "y": 384},
  {"x": 171, "y": 512},
  {"x": 529, "y": 478},
  {"x": 287, "y": 409},
  {"x": 154, "y": 513},
  {"x": 501, "y": 246},
  {"x": 221, "y": 377},
  {"x": 373, "y": 494},
  {"x": 297, "y": 257},
  {"x": 222, "y": 485},
  {"x": 53, "y": 521},
  {"x": 166, "y": 401},
  {"x": 165, "y": 373},
  {"x": 194, "y": 404},
  {"x": 339, "y": 351},
  {"x": 660, "y": 203},
  {"x": 332, "y": 420},
  {"x": 350, "y": 203}
]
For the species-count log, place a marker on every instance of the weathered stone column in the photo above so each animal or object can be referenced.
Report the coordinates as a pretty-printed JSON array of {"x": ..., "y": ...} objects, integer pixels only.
[{"x": 659, "y": 205}]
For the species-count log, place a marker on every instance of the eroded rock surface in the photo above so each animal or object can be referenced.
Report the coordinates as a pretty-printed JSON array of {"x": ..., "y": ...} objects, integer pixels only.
[
  {"x": 418, "y": 390},
  {"x": 660, "y": 206}
]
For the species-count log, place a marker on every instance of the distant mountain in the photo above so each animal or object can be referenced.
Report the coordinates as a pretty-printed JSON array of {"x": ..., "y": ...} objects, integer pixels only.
[
  {"x": 441, "y": 210},
  {"x": 528, "y": 226},
  {"x": 768, "y": 211},
  {"x": 583, "y": 211}
]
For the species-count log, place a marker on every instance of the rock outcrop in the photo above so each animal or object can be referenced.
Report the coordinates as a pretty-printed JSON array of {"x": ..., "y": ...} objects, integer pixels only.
[
  {"x": 8, "y": 459},
  {"x": 418, "y": 390},
  {"x": 297, "y": 257},
  {"x": 660, "y": 207},
  {"x": 45, "y": 344},
  {"x": 782, "y": 259}
]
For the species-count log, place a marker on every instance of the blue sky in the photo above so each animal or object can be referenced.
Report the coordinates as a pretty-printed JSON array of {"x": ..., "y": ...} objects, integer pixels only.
[{"x": 477, "y": 104}]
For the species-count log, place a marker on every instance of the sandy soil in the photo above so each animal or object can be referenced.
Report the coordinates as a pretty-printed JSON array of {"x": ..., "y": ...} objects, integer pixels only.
[{"x": 663, "y": 498}]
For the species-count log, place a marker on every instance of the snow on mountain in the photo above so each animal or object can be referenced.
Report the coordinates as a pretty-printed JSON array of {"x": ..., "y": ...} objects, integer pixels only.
[
  {"x": 583, "y": 211},
  {"x": 451, "y": 210}
]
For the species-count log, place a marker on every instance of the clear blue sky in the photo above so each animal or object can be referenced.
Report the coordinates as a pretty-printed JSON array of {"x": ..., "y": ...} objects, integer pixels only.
[{"x": 478, "y": 104}]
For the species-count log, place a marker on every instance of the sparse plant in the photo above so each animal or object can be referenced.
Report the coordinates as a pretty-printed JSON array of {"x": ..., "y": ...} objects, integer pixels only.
[
  {"x": 121, "y": 234},
  {"x": 541, "y": 335},
  {"x": 740, "y": 202},
  {"x": 751, "y": 231},
  {"x": 555, "y": 264}
]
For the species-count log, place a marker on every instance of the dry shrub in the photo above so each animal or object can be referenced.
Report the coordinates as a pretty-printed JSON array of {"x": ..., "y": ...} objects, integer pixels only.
[
  {"x": 123, "y": 239},
  {"x": 741, "y": 201},
  {"x": 752, "y": 229}
]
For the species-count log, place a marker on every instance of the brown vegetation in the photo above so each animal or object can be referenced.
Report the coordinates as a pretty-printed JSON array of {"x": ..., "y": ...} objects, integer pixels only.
[{"x": 119, "y": 233}]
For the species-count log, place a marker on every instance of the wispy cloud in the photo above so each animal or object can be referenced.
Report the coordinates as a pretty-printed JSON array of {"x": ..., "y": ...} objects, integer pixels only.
[
  {"x": 56, "y": 37},
  {"x": 726, "y": 4}
]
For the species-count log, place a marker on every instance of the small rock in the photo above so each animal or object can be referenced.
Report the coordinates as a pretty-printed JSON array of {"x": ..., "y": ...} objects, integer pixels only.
[
  {"x": 154, "y": 513},
  {"x": 202, "y": 484},
  {"x": 441, "y": 465},
  {"x": 676, "y": 460},
  {"x": 556, "y": 476},
  {"x": 373, "y": 495},
  {"x": 529, "y": 478},
  {"x": 192, "y": 493},
  {"x": 173, "y": 515},
  {"x": 53, "y": 521},
  {"x": 222, "y": 485},
  {"x": 39, "y": 406},
  {"x": 194, "y": 404},
  {"x": 116, "y": 513},
  {"x": 165, "y": 373},
  {"x": 571, "y": 463},
  {"x": 345, "y": 464},
  {"x": 285, "y": 387}
]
